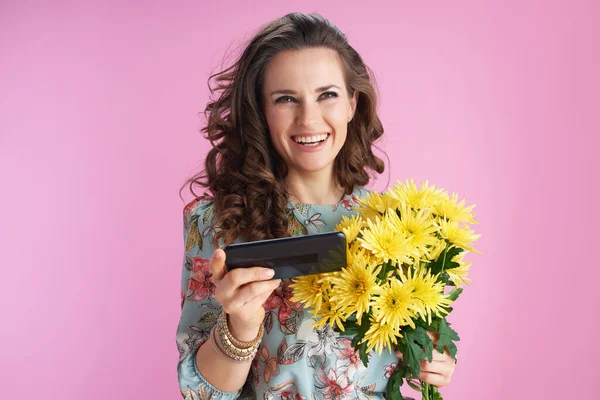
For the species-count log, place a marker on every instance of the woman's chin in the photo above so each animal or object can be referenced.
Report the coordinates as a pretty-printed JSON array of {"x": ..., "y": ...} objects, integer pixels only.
[{"x": 304, "y": 168}]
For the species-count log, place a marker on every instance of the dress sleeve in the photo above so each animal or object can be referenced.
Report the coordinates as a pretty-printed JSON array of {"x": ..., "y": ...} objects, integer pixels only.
[{"x": 199, "y": 309}]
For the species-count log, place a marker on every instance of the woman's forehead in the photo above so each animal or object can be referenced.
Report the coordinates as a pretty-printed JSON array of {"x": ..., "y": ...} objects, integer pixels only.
[{"x": 303, "y": 70}]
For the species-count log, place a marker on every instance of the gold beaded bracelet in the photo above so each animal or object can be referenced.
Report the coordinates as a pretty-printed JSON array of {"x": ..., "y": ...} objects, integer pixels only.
[
  {"x": 218, "y": 348},
  {"x": 230, "y": 346},
  {"x": 222, "y": 324}
]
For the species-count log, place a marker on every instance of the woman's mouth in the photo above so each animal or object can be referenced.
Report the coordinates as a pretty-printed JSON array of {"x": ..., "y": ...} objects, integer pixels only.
[{"x": 310, "y": 141}]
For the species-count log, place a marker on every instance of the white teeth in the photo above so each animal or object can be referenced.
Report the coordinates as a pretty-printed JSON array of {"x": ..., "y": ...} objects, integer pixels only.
[{"x": 310, "y": 140}]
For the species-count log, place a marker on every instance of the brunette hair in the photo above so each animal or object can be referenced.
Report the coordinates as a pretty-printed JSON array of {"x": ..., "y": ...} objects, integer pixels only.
[{"x": 243, "y": 172}]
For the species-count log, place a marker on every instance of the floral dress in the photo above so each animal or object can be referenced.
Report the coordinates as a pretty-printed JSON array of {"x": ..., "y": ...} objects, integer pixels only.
[{"x": 294, "y": 361}]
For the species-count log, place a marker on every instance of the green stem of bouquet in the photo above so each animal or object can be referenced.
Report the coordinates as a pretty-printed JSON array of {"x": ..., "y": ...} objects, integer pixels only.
[
  {"x": 425, "y": 391},
  {"x": 444, "y": 260},
  {"x": 428, "y": 392}
]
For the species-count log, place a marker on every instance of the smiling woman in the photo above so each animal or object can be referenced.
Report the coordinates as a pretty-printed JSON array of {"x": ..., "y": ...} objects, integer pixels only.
[
  {"x": 308, "y": 126},
  {"x": 297, "y": 78},
  {"x": 292, "y": 129}
]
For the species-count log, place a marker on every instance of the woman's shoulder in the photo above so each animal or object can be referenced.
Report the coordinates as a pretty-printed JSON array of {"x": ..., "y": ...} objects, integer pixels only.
[
  {"x": 199, "y": 214},
  {"x": 199, "y": 203},
  {"x": 198, "y": 224},
  {"x": 198, "y": 206}
]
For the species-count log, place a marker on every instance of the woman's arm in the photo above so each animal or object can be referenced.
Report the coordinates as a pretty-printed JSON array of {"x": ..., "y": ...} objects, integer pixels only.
[
  {"x": 207, "y": 290},
  {"x": 242, "y": 293}
]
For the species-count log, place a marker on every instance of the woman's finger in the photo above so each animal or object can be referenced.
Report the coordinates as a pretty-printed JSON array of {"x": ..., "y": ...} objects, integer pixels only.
[
  {"x": 434, "y": 379},
  {"x": 257, "y": 301},
  {"x": 216, "y": 265},
  {"x": 241, "y": 276},
  {"x": 253, "y": 289},
  {"x": 441, "y": 357},
  {"x": 434, "y": 367}
]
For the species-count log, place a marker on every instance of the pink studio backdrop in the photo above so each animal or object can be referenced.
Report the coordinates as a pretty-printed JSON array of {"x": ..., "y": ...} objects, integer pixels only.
[{"x": 99, "y": 128}]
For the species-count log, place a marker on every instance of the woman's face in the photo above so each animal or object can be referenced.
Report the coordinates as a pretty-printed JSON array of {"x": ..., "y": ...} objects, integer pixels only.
[{"x": 307, "y": 108}]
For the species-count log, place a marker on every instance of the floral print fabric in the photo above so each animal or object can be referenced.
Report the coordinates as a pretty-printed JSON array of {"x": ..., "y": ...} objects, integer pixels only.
[{"x": 294, "y": 361}]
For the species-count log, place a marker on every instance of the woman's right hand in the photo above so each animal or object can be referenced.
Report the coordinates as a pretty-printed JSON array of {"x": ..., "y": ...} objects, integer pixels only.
[{"x": 242, "y": 293}]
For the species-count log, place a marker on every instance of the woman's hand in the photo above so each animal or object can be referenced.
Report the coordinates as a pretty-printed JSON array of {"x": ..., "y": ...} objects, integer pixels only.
[
  {"x": 242, "y": 293},
  {"x": 439, "y": 371}
]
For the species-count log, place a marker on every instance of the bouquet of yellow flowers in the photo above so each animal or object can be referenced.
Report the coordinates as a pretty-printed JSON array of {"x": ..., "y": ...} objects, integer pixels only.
[{"x": 405, "y": 247}]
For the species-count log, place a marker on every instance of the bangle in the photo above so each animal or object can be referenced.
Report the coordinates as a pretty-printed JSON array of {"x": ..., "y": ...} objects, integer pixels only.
[
  {"x": 217, "y": 347},
  {"x": 230, "y": 346},
  {"x": 222, "y": 324}
]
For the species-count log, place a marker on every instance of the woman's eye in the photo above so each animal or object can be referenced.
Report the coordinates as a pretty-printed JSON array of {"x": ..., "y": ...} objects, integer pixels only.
[
  {"x": 288, "y": 99},
  {"x": 284, "y": 99}
]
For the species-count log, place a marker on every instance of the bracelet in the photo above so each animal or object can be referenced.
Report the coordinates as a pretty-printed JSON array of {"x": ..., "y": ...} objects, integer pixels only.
[
  {"x": 234, "y": 349},
  {"x": 222, "y": 324},
  {"x": 222, "y": 353}
]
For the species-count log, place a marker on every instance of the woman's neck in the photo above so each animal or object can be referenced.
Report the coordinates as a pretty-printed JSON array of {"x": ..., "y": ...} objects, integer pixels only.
[{"x": 316, "y": 189}]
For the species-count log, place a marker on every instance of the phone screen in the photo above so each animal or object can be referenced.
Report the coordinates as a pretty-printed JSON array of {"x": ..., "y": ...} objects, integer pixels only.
[{"x": 291, "y": 257}]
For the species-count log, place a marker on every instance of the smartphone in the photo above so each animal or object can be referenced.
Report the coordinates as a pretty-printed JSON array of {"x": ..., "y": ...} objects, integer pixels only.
[{"x": 292, "y": 256}]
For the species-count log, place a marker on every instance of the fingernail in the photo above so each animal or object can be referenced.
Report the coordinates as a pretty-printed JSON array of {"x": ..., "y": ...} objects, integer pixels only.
[{"x": 268, "y": 273}]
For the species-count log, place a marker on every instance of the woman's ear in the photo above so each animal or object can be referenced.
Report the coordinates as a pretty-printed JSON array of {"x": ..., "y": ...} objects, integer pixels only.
[{"x": 353, "y": 103}]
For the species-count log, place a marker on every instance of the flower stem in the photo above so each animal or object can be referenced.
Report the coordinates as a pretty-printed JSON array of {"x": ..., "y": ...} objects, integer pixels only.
[{"x": 444, "y": 260}]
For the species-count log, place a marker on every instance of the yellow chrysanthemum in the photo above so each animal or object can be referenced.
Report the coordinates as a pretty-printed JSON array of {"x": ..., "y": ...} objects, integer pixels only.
[
  {"x": 458, "y": 275},
  {"x": 385, "y": 242},
  {"x": 378, "y": 202},
  {"x": 309, "y": 290},
  {"x": 423, "y": 198},
  {"x": 458, "y": 235},
  {"x": 354, "y": 286},
  {"x": 418, "y": 226},
  {"x": 373, "y": 205},
  {"x": 428, "y": 292},
  {"x": 356, "y": 249},
  {"x": 395, "y": 305},
  {"x": 350, "y": 227},
  {"x": 381, "y": 335},
  {"x": 329, "y": 313},
  {"x": 451, "y": 209},
  {"x": 436, "y": 249}
]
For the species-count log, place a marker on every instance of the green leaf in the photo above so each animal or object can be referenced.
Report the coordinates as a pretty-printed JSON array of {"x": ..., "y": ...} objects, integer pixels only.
[
  {"x": 362, "y": 353},
  {"x": 393, "y": 386},
  {"x": 453, "y": 295},
  {"x": 350, "y": 328},
  {"x": 416, "y": 346},
  {"x": 404, "y": 370},
  {"x": 385, "y": 269},
  {"x": 362, "y": 329},
  {"x": 445, "y": 278},
  {"x": 444, "y": 260},
  {"x": 447, "y": 338}
]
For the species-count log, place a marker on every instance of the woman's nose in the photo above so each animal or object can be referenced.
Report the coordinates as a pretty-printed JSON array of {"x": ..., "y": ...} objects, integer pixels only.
[{"x": 308, "y": 114}]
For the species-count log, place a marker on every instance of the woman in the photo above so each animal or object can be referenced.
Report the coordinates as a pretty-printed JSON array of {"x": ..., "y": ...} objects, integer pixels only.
[{"x": 292, "y": 133}]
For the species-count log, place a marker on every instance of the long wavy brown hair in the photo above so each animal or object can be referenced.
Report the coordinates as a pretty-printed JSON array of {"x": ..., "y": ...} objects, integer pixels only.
[{"x": 243, "y": 172}]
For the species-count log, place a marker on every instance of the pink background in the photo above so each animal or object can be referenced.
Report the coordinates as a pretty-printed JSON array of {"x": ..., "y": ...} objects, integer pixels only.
[{"x": 497, "y": 101}]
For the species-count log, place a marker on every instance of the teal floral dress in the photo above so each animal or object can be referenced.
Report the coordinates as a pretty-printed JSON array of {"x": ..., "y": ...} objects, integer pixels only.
[{"x": 294, "y": 361}]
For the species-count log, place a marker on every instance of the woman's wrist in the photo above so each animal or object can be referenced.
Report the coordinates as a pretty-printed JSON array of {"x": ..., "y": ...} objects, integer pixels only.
[{"x": 243, "y": 331}]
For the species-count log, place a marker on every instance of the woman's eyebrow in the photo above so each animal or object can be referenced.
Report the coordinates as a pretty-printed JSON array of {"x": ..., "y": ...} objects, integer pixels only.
[{"x": 289, "y": 91}]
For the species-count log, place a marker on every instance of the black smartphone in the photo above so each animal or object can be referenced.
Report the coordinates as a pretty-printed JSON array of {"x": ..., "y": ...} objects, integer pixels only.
[{"x": 291, "y": 256}]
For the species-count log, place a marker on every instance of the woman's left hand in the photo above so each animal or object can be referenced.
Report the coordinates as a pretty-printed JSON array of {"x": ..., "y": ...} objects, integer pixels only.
[{"x": 439, "y": 371}]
